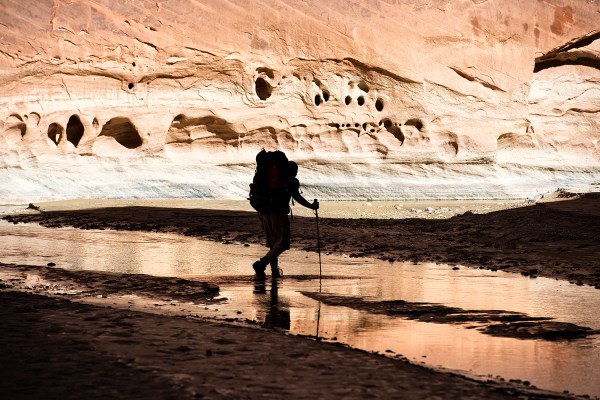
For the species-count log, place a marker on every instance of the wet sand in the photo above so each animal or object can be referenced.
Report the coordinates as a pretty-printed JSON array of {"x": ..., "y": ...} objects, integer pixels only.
[{"x": 105, "y": 348}]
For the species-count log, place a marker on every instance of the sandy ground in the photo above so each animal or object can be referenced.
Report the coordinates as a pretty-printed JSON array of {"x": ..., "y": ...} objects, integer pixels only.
[{"x": 68, "y": 335}]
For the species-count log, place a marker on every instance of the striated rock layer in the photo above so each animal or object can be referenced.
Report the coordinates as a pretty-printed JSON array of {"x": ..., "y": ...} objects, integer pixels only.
[{"x": 374, "y": 99}]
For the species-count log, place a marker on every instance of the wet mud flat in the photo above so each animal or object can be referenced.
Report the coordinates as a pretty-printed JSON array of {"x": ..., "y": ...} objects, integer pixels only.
[
  {"x": 558, "y": 237},
  {"x": 80, "y": 332}
]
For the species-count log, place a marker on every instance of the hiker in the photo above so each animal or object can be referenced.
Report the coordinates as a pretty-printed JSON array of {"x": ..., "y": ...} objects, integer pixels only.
[{"x": 273, "y": 185}]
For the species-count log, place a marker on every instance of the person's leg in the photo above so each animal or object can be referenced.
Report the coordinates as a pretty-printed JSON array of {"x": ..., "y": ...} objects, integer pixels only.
[
  {"x": 260, "y": 265},
  {"x": 274, "y": 261},
  {"x": 281, "y": 240},
  {"x": 277, "y": 230}
]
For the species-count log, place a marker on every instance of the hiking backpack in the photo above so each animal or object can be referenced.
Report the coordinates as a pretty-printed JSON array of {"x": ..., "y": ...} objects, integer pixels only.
[{"x": 270, "y": 187}]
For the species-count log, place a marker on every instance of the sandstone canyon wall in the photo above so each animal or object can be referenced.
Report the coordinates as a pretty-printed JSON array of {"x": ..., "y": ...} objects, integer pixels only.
[{"x": 373, "y": 98}]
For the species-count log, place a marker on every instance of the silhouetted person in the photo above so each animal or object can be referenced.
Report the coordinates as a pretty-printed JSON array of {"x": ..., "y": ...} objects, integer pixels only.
[{"x": 274, "y": 184}]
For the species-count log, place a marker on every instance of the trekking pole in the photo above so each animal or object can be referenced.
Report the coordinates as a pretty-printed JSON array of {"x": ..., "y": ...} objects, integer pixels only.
[
  {"x": 319, "y": 246},
  {"x": 320, "y": 272}
]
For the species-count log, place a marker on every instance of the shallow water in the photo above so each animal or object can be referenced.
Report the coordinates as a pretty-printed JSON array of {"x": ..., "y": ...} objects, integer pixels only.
[{"x": 564, "y": 365}]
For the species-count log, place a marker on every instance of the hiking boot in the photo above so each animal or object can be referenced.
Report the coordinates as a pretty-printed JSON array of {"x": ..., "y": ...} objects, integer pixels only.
[
  {"x": 277, "y": 273},
  {"x": 259, "y": 267}
]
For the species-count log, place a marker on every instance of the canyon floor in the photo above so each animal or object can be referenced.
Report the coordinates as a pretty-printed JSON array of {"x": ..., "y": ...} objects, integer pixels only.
[{"x": 55, "y": 346}]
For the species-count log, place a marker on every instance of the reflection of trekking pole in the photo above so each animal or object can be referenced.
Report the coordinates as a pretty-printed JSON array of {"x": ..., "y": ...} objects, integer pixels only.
[
  {"x": 318, "y": 320},
  {"x": 318, "y": 244}
]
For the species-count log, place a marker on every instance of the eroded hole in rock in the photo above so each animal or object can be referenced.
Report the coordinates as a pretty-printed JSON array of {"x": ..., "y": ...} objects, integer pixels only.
[
  {"x": 360, "y": 100},
  {"x": 571, "y": 53},
  {"x": 394, "y": 130},
  {"x": 15, "y": 123},
  {"x": 364, "y": 126},
  {"x": 130, "y": 86},
  {"x": 55, "y": 132},
  {"x": 417, "y": 123},
  {"x": 74, "y": 130},
  {"x": 379, "y": 105},
  {"x": 179, "y": 131},
  {"x": 323, "y": 88},
  {"x": 317, "y": 100},
  {"x": 22, "y": 128},
  {"x": 35, "y": 118},
  {"x": 348, "y": 100},
  {"x": 95, "y": 123},
  {"x": 123, "y": 131},
  {"x": 186, "y": 129},
  {"x": 263, "y": 88},
  {"x": 454, "y": 145},
  {"x": 362, "y": 85},
  {"x": 267, "y": 71},
  {"x": 512, "y": 140}
]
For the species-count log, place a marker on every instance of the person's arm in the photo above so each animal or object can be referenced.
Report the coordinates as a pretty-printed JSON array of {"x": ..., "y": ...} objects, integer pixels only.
[{"x": 300, "y": 199}]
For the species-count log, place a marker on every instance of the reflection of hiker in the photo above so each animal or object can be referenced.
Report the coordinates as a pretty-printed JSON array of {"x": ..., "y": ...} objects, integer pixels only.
[
  {"x": 273, "y": 185},
  {"x": 276, "y": 311},
  {"x": 278, "y": 314}
]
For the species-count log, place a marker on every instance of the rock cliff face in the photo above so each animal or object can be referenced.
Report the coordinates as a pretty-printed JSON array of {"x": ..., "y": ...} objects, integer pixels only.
[{"x": 375, "y": 99}]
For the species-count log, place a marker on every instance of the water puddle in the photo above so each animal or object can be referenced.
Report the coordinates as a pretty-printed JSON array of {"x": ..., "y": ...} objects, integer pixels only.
[{"x": 557, "y": 365}]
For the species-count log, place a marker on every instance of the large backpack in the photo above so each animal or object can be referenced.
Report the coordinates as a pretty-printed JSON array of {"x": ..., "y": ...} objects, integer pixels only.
[{"x": 270, "y": 188}]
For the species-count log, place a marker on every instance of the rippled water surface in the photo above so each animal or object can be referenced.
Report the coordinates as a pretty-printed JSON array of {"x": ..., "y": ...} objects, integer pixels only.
[{"x": 563, "y": 365}]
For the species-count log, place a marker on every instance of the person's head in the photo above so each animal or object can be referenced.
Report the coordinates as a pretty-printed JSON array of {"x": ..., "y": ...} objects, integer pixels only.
[{"x": 292, "y": 169}]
